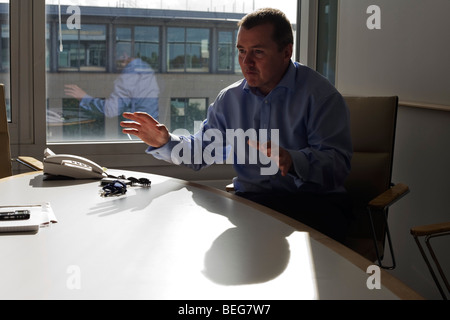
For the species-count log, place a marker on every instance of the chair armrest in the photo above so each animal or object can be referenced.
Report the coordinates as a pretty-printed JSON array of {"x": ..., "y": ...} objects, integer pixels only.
[
  {"x": 430, "y": 229},
  {"x": 390, "y": 196},
  {"x": 31, "y": 163},
  {"x": 230, "y": 188}
]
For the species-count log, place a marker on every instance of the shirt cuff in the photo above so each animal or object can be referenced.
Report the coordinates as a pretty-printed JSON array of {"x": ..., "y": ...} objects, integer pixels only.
[
  {"x": 300, "y": 165},
  {"x": 164, "y": 152}
]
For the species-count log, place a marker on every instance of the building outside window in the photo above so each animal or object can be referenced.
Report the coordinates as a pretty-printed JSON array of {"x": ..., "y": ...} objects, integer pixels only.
[
  {"x": 226, "y": 51},
  {"x": 147, "y": 45},
  {"x": 188, "y": 49},
  {"x": 140, "y": 42},
  {"x": 84, "y": 50},
  {"x": 188, "y": 113}
]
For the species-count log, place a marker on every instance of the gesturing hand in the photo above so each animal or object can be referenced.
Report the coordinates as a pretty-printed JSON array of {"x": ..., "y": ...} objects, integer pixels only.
[
  {"x": 146, "y": 128},
  {"x": 281, "y": 156}
]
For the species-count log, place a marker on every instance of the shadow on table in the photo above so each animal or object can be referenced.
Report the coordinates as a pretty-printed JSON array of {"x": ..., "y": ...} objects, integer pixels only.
[{"x": 255, "y": 251}]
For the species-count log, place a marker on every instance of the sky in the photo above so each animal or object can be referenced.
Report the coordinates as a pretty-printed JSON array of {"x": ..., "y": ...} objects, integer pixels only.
[{"x": 239, "y": 6}]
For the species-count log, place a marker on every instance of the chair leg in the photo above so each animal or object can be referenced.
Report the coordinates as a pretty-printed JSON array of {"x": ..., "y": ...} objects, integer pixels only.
[
  {"x": 388, "y": 235},
  {"x": 438, "y": 266}
]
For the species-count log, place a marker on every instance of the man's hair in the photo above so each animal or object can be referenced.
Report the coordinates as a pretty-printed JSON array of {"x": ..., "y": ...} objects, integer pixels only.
[{"x": 282, "y": 33}]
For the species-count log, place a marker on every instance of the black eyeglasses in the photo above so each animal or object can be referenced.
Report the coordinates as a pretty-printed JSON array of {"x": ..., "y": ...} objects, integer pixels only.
[
  {"x": 116, "y": 186},
  {"x": 142, "y": 181}
]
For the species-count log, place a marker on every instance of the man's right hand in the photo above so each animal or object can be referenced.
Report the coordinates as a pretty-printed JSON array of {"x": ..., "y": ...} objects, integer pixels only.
[{"x": 146, "y": 128}]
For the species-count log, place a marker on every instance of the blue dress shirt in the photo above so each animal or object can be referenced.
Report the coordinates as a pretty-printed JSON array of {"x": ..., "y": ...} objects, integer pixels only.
[{"x": 312, "y": 120}]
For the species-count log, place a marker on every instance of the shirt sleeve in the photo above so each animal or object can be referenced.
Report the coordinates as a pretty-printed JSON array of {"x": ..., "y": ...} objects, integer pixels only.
[
  {"x": 197, "y": 151},
  {"x": 325, "y": 163}
]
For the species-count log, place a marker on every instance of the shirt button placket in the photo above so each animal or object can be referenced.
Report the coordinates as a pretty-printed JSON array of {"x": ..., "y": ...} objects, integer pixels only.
[{"x": 265, "y": 116}]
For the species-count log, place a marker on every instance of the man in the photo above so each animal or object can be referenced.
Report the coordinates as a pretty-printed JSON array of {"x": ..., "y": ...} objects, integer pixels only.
[{"x": 290, "y": 102}]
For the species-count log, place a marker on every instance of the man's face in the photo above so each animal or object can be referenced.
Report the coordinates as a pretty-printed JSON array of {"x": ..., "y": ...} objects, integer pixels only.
[{"x": 261, "y": 61}]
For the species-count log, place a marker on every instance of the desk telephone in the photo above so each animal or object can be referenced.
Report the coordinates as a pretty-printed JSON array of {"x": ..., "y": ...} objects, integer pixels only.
[{"x": 71, "y": 166}]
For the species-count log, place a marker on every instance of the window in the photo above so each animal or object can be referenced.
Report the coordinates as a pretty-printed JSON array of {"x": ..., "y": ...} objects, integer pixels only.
[
  {"x": 138, "y": 41},
  {"x": 43, "y": 111},
  {"x": 188, "y": 113},
  {"x": 123, "y": 62},
  {"x": 4, "y": 54},
  {"x": 146, "y": 45},
  {"x": 226, "y": 50},
  {"x": 83, "y": 50},
  {"x": 326, "y": 39},
  {"x": 188, "y": 49}
]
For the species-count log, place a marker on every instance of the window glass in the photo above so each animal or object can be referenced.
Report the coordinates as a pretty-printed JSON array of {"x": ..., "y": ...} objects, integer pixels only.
[
  {"x": 197, "y": 50},
  {"x": 161, "y": 57},
  {"x": 188, "y": 113},
  {"x": 175, "y": 49},
  {"x": 225, "y": 50},
  {"x": 5, "y": 55},
  {"x": 84, "y": 49},
  {"x": 146, "y": 45},
  {"x": 326, "y": 39}
]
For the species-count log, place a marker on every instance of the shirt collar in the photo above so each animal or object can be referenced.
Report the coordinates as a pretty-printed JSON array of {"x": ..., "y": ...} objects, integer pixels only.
[{"x": 288, "y": 81}]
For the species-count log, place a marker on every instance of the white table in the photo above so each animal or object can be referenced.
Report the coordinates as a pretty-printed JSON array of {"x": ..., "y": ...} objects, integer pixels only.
[{"x": 176, "y": 240}]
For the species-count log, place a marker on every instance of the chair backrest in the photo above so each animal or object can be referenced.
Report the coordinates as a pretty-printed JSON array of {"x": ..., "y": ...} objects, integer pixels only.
[
  {"x": 373, "y": 125},
  {"x": 5, "y": 154}
]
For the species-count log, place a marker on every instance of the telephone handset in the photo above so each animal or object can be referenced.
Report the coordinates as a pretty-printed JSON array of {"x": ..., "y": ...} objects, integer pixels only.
[{"x": 71, "y": 166}]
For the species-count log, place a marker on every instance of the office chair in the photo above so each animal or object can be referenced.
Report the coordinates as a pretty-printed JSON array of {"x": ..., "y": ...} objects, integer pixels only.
[
  {"x": 5, "y": 155},
  {"x": 373, "y": 125},
  {"x": 430, "y": 232}
]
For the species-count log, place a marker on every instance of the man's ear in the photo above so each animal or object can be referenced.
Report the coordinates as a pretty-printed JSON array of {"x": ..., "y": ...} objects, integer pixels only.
[{"x": 288, "y": 50}]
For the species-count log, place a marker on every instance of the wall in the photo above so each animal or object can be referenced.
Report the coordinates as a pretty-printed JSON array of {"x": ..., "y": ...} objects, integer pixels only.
[{"x": 407, "y": 57}]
